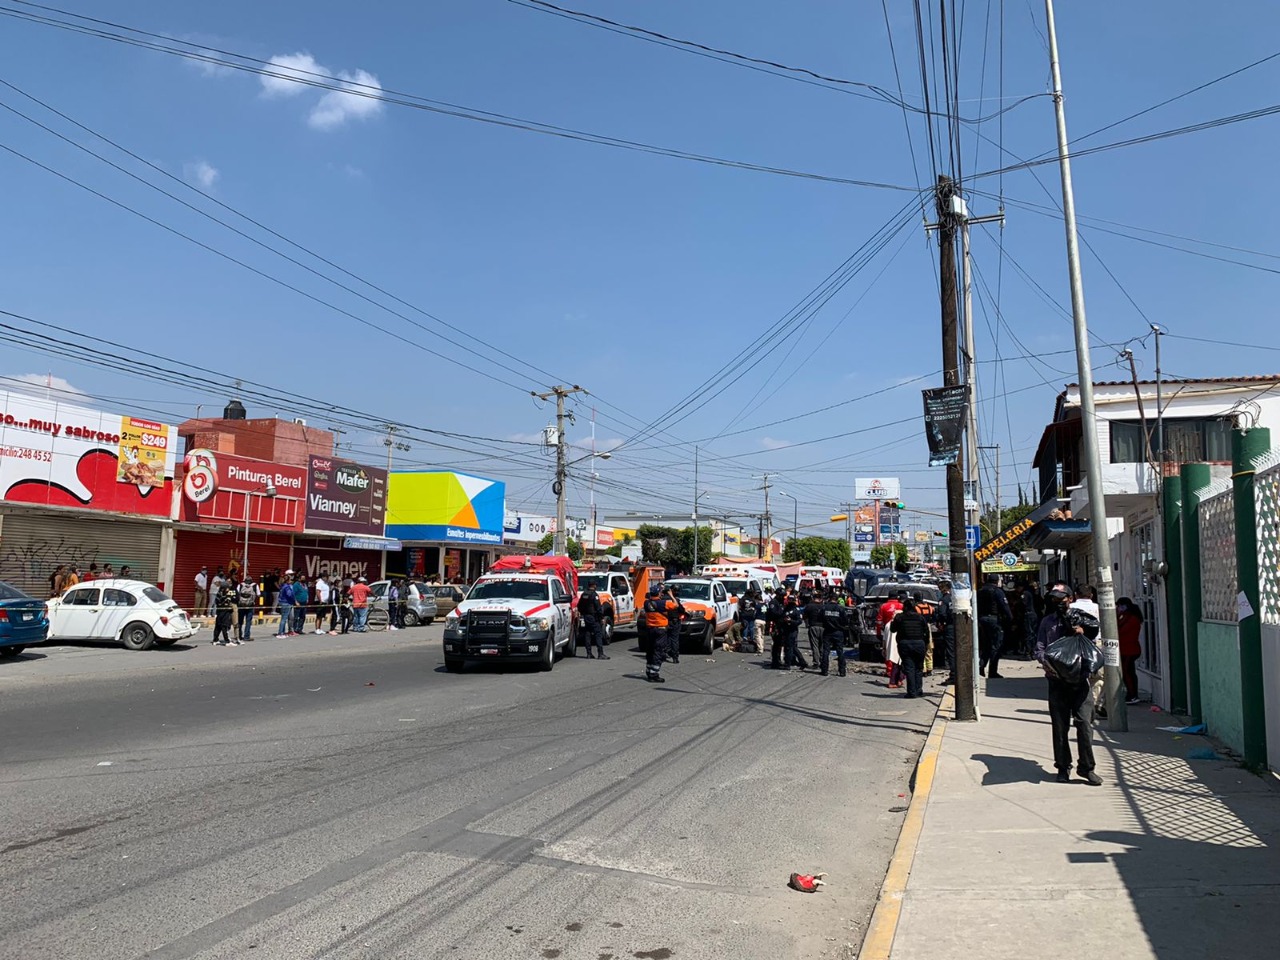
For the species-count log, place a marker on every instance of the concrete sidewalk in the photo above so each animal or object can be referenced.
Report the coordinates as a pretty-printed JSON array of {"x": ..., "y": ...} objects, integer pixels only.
[{"x": 1174, "y": 857}]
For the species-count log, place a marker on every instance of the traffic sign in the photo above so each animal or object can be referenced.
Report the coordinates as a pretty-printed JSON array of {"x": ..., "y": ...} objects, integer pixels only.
[{"x": 972, "y": 536}]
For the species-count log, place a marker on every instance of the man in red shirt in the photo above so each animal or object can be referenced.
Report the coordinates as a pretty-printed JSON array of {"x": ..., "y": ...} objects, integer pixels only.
[
  {"x": 360, "y": 604},
  {"x": 892, "y": 663}
]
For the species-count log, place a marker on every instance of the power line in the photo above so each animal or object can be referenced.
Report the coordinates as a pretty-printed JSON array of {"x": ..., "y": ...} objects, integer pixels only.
[{"x": 247, "y": 64}]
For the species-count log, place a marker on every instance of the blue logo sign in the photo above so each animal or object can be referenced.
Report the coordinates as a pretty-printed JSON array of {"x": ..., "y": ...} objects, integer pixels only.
[{"x": 972, "y": 537}]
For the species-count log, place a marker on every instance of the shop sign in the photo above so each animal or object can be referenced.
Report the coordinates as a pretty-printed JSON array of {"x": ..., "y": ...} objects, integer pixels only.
[
  {"x": 604, "y": 538},
  {"x": 445, "y": 506},
  {"x": 220, "y": 488},
  {"x": 337, "y": 565},
  {"x": 527, "y": 529},
  {"x": 345, "y": 497},
  {"x": 877, "y": 488},
  {"x": 64, "y": 455}
]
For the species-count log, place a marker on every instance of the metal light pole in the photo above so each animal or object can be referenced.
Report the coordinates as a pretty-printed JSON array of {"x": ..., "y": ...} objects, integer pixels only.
[
  {"x": 1159, "y": 404},
  {"x": 1117, "y": 718},
  {"x": 268, "y": 491},
  {"x": 795, "y": 514}
]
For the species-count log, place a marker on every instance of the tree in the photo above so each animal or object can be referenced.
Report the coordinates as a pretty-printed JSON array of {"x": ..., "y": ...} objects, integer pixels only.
[
  {"x": 818, "y": 552},
  {"x": 1008, "y": 517},
  {"x": 654, "y": 541},
  {"x": 572, "y": 547},
  {"x": 679, "y": 552},
  {"x": 891, "y": 555}
]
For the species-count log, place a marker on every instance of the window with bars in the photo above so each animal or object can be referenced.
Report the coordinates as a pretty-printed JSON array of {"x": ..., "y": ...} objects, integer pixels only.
[{"x": 1185, "y": 441}]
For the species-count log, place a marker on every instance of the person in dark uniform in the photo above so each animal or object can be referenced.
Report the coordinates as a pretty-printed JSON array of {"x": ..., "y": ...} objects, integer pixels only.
[
  {"x": 944, "y": 641},
  {"x": 654, "y": 618},
  {"x": 775, "y": 617},
  {"x": 814, "y": 625},
  {"x": 994, "y": 618},
  {"x": 912, "y": 630},
  {"x": 675, "y": 615},
  {"x": 793, "y": 616},
  {"x": 591, "y": 612},
  {"x": 835, "y": 630},
  {"x": 225, "y": 604}
]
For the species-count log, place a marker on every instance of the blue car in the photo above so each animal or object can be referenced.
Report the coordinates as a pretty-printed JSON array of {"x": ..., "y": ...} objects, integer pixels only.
[{"x": 24, "y": 621}]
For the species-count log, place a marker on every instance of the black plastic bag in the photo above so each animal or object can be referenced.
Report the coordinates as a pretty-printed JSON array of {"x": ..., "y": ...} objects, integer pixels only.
[{"x": 1073, "y": 658}]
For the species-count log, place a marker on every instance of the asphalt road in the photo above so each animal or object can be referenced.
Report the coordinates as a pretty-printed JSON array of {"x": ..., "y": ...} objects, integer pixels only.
[{"x": 347, "y": 798}]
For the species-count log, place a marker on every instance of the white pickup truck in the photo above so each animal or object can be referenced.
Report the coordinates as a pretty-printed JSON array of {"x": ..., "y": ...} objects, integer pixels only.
[
  {"x": 512, "y": 616},
  {"x": 710, "y": 608}
]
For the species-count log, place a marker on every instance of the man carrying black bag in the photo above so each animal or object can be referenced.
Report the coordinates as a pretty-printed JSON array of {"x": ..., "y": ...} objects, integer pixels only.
[{"x": 1068, "y": 672}]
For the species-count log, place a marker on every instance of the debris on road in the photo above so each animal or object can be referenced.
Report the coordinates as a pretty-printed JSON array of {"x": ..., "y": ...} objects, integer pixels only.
[{"x": 805, "y": 883}]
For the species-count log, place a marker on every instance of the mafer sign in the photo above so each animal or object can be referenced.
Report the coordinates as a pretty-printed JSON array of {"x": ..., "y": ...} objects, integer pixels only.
[{"x": 345, "y": 497}]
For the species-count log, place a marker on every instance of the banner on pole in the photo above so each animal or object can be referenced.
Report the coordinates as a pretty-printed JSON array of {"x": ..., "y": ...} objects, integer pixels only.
[{"x": 944, "y": 413}]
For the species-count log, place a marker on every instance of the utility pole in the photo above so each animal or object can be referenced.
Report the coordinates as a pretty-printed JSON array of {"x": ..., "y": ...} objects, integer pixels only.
[
  {"x": 949, "y": 215},
  {"x": 970, "y": 362},
  {"x": 694, "y": 571},
  {"x": 766, "y": 531},
  {"x": 1159, "y": 404},
  {"x": 1117, "y": 717},
  {"x": 559, "y": 541}
]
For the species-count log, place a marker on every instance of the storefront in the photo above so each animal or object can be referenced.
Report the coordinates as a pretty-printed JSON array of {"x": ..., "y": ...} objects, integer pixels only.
[
  {"x": 451, "y": 524},
  {"x": 82, "y": 487},
  {"x": 223, "y": 498}
]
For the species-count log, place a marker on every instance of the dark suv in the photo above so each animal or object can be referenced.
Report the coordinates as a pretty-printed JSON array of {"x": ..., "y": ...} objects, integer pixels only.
[{"x": 870, "y": 644}]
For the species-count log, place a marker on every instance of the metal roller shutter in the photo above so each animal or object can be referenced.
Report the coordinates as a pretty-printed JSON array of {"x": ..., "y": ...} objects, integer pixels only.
[
  {"x": 199, "y": 548},
  {"x": 32, "y": 545}
]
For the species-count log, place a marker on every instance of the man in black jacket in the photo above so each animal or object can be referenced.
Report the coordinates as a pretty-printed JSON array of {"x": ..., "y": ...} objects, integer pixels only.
[
  {"x": 835, "y": 630},
  {"x": 1070, "y": 704},
  {"x": 591, "y": 612},
  {"x": 912, "y": 630},
  {"x": 944, "y": 642},
  {"x": 994, "y": 618},
  {"x": 815, "y": 626},
  {"x": 792, "y": 617},
  {"x": 775, "y": 617}
]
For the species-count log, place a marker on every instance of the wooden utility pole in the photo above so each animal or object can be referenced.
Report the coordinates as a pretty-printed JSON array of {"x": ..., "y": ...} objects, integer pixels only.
[
  {"x": 560, "y": 539},
  {"x": 962, "y": 588}
]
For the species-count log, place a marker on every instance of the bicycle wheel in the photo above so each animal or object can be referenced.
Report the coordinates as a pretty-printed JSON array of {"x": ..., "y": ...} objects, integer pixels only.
[{"x": 378, "y": 619}]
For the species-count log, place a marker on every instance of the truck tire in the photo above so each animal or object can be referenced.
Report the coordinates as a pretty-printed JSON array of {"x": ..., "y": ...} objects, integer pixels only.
[
  {"x": 453, "y": 664},
  {"x": 571, "y": 648},
  {"x": 548, "y": 655},
  {"x": 607, "y": 627},
  {"x": 709, "y": 638},
  {"x": 868, "y": 651}
]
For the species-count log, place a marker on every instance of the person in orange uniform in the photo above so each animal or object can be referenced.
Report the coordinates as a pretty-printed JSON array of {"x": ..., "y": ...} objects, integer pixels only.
[
  {"x": 892, "y": 663},
  {"x": 655, "y": 625}
]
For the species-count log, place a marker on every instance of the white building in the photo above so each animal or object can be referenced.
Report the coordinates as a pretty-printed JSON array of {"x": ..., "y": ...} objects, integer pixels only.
[{"x": 1197, "y": 419}]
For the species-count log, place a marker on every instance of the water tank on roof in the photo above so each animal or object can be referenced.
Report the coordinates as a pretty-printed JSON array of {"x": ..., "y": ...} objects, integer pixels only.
[{"x": 233, "y": 411}]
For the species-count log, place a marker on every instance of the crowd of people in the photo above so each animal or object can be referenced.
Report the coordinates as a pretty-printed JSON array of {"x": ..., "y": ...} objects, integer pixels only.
[
  {"x": 68, "y": 575},
  {"x": 233, "y": 600}
]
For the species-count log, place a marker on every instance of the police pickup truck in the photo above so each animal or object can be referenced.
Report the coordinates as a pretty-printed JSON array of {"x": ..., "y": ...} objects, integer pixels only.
[{"x": 512, "y": 616}]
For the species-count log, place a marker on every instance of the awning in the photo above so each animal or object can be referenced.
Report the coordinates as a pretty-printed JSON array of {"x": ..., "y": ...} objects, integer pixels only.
[{"x": 1057, "y": 534}]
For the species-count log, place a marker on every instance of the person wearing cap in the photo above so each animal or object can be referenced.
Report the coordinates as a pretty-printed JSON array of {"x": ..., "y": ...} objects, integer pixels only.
[
  {"x": 654, "y": 618},
  {"x": 994, "y": 618},
  {"x": 675, "y": 615},
  {"x": 284, "y": 604},
  {"x": 360, "y": 604},
  {"x": 201, "y": 604},
  {"x": 1070, "y": 704}
]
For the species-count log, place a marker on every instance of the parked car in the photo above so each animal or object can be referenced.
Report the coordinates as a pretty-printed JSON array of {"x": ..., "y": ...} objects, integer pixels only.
[
  {"x": 136, "y": 614},
  {"x": 24, "y": 621},
  {"x": 448, "y": 596},
  {"x": 870, "y": 643},
  {"x": 420, "y": 606}
]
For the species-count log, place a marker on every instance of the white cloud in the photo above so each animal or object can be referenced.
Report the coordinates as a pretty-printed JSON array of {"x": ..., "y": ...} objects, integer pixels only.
[
  {"x": 769, "y": 443},
  {"x": 295, "y": 71},
  {"x": 202, "y": 173},
  {"x": 40, "y": 383}
]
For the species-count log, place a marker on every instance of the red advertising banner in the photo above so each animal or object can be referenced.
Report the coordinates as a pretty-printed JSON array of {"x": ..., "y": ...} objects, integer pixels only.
[
  {"x": 224, "y": 489},
  {"x": 62, "y": 455},
  {"x": 345, "y": 497}
]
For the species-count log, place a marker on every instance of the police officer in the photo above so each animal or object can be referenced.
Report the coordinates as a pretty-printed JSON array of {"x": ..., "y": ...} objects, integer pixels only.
[
  {"x": 775, "y": 617},
  {"x": 835, "y": 630},
  {"x": 994, "y": 617},
  {"x": 748, "y": 609},
  {"x": 675, "y": 614},
  {"x": 591, "y": 612},
  {"x": 814, "y": 625},
  {"x": 793, "y": 616},
  {"x": 654, "y": 620},
  {"x": 944, "y": 642}
]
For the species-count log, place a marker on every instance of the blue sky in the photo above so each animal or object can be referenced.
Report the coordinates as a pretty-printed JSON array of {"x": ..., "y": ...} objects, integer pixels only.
[{"x": 633, "y": 275}]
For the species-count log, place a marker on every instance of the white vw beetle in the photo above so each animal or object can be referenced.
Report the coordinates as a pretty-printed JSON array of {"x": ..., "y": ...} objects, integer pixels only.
[{"x": 136, "y": 614}]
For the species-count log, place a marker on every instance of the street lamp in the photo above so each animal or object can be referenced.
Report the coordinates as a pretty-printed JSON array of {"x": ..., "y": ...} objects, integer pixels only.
[
  {"x": 268, "y": 491},
  {"x": 795, "y": 514},
  {"x": 560, "y": 541}
]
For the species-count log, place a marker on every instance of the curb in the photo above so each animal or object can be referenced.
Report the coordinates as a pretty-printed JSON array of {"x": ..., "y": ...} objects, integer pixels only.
[{"x": 878, "y": 943}]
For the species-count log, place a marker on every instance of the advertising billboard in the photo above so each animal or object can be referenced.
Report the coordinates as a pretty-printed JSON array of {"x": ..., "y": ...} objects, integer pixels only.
[
  {"x": 63, "y": 455},
  {"x": 523, "y": 528},
  {"x": 345, "y": 497},
  {"x": 444, "y": 506},
  {"x": 877, "y": 488},
  {"x": 224, "y": 489}
]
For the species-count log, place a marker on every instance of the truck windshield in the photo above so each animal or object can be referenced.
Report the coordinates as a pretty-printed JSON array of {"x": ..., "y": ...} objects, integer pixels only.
[
  {"x": 735, "y": 587},
  {"x": 597, "y": 580},
  {"x": 508, "y": 590},
  {"x": 693, "y": 591}
]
